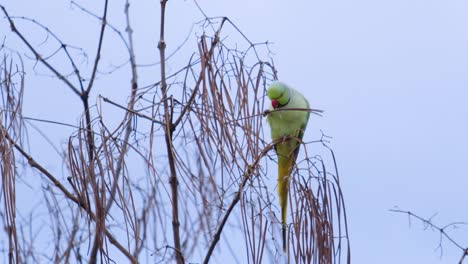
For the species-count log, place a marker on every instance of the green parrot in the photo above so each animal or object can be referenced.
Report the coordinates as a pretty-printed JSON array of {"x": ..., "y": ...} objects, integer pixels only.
[{"x": 288, "y": 127}]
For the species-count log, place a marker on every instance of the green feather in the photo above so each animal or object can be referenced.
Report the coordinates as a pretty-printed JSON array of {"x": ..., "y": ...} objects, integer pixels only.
[{"x": 287, "y": 126}]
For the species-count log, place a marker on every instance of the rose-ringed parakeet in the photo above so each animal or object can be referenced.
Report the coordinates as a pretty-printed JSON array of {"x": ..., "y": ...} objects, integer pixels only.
[{"x": 287, "y": 127}]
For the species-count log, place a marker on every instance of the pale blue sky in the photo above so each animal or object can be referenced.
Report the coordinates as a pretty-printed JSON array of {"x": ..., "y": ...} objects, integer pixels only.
[{"x": 392, "y": 77}]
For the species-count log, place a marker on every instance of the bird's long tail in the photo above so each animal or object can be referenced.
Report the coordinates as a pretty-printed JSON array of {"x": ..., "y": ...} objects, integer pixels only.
[{"x": 285, "y": 165}]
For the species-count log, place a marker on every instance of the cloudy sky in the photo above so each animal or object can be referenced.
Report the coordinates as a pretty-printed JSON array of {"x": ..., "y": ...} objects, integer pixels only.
[{"x": 392, "y": 77}]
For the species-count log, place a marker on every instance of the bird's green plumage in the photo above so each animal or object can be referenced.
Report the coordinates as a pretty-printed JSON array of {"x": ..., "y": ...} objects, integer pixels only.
[{"x": 288, "y": 127}]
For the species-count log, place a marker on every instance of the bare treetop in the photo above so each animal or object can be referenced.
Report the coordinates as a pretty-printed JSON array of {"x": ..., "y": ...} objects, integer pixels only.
[{"x": 175, "y": 170}]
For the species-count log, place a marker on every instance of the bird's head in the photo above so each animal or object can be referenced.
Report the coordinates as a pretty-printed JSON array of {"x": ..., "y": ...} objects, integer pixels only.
[{"x": 278, "y": 93}]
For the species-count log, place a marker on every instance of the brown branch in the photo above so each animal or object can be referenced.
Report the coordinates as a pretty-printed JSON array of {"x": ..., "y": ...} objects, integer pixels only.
[
  {"x": 100, "y": 212},
  {"x": 37, "y": 166},
  {"x": 173, "y": 181},
  {"x": 247, "y": 175},
  {"x": 200, "y": 78},
  {"x": 32, "y": 162},
  {"x": 129, "y": 108},
  {"x": 132, "y": 111},
  {"x": 8, "y": 189},
  {"x": 129, "y": 115},
  {"x": 98, "y": 53},
  {"x": 465, "y": 253},
  {"x": 312, "y": 111}
]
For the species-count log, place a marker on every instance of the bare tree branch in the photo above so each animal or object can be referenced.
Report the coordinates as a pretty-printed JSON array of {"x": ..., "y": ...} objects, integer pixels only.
[
  {"x": 442, "y": 230},
  {"x": 168, "y": 190},
  {"x": 37, "y": 55}
]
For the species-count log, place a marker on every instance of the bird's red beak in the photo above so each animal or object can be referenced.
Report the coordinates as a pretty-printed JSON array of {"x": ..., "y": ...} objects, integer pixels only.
[{"x": 274, "y": 103}]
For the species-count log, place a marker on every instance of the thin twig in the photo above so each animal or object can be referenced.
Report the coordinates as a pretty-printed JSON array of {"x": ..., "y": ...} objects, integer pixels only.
[
  {"x": 103, "y": 20},
  {"x": 38, "y": 56},
  {"x": 312, "y": 111},
  {"x": 132, "y": 111},
  {"x": 440, "y": 229}
]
